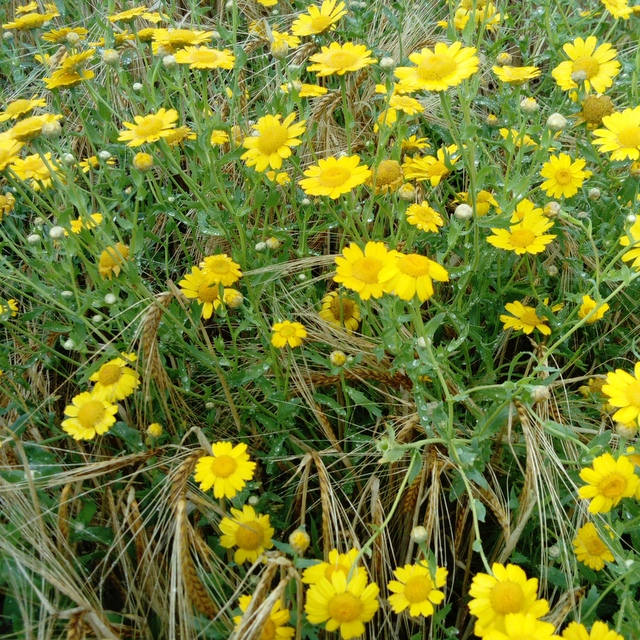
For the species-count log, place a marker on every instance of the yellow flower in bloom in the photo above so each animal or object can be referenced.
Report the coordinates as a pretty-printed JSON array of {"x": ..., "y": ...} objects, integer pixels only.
[
  {"x": 526, "y": 211},
  {"x": 517, "y": 138},
  {"x": 88, "y": 415},
  {"x": 387, "y": 177},
  {"x": 424, "y": 217},
  {"x": 62, "y": 79},
  {"x": 279, "y": 38},
  {"x": 61, "y": 35},
  {"x": 590, "y": 549},
  {"x": 18, "y": 108},
  {"x": 249, "y": 532},
  {"x": 170, "y": 40},
  {"x": 409, "y": 275},
  {"x": 115, "y": 380},
  {"x": 518, "y": 626},
  {"x": 221, "y": 268},
  {"x": 218, "y": 137},
  {"x": 273, "y": 627},
  {"x": 334, "y": 176},
  {"x": 30, "y": 128},
  {"x": 524, "y": 318},
  {"x": 595, "y": 67},
  {"x": 29, "y": 21},
  {"x": 440, "y": 69},
  {"x": 38, "y": 169},
  {"x": 112, "y": 259},
  {"x": 359, "y": 270},
  {"x": 516, "y": 75},
  {"x": 340, "y": 59},
  {"x": 618, "y": 9},
  {"x": 344, "y": 605},
  {"x": 273, "y": 142},
  {"x": 599, "y": 631},
  {"x": 155, "y": 430},
  {"x": 143, "y": 161},
  {"x": 74, "y": 62},
  {"x": 527, "y": 236},
  {"x": 337, "y": 562},
  {"x": 287, "y": 333},
  {"x": 507, "y": 591},
  {"x": 7, "y": 202},
  {"x": 317, "y": 21},
  {"x": 26, "y": 8},
  {"x": 621, "y": 135},
  {"x": 9, "y": 149},
  {"x": 228, "y": 470},
  {"x": 623, "y": 390},
  {"x": 279, "y": 177},
  {"x": 179, "y": 135},
  {"x": 127, "y": 15},
  {"x": 588, "y": 306},
  {"x": 609, "y": 480},
  {"x": 432, "y": 168},
  {"x": 204, "y": 288},
  {"x": 564, "y": 177},
  {"x": 625, "y": 241},
  {"x": 10, "y": 307},
  {"x": 406, "y": 104},
  {"x": 413, "y": 144},
  {"x": 205, "y": 58},
  {"x": 340, "y": 311},
  {"x": 304, "y": 90},
  {"x": 415, "y": 589},
  {"x": 149, "y": 128},
  {"x": 267, "y": 3},
  {"x": 92, "y": 162},
  {"x": 484, "y": 201}
]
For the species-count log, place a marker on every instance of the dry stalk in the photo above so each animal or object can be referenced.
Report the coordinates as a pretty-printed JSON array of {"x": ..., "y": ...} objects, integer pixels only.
[
  {"x": 325, "y": 500},
  {"x": 63, "y": 516},
  {"x": 396, "y": 380},
  {"x": 149, "y": 341}
]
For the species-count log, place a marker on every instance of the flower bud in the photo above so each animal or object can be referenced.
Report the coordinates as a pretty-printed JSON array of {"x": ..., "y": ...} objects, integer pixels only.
[
  {"x": 51, "y": 129},
  {"x": 104, "y": 155},
  {"x": 110, "y": 57},
  {"x": 504, "y": 58},
  {"x": 137, "y": 86},
  {"x": 594, "y": 194},
  {"x": 169, "y": 62},
  {"x": 529, "y": 105},
  {"x": 68, "y": 158},
  {"x": 556, "y": 122},
  {"x": 463, "y": 212},
  {"x": 110, "y": 299},
  {"x": 56, "y": 232},
  {"x": 419, "y": 534},
  {"x": 337, "y": 358},
  {"x": 155, "y": 429},
  {"x": 387, "y": 63},
  {"x": 34, "y": 238},
  {"x": 407, "y": 192},
  {"x": 273, "y": 243},
  {"x": 299, "y": 541},
  {"x": 143, "y": 161}
]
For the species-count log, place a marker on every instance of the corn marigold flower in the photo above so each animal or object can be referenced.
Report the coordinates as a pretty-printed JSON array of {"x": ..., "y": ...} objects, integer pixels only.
[
  {"x": 416, "y": 589},
  {"x": 594, "y": 108},
  {"x": 29, "y": 21},
  {"x": 112, "y": 259},
  {"x": 62, "y": 35},
  {"x": 7, "y": 202},
  {"x": 588, "y": 63},
  {"x": 9, "y": 307},
  {"x": 590, "y": 549},
  {"x": 564, "y": 177},
  {"x": 589, "y": 305},
  {"x": 517, "y": 138},
  {"x": 9, "y": 149},
  {"x": 317, "y": 21},
  {"x": 205, "y": 58},
  {"x": 633, "y": 239},
  {"x": 128, "y": 15},
  {"x": 279, "y": 177},
  {"x": 221, "y": 268},
  {"x": 406, "y": 104},
  {"x": 249, "y": 532},
  {"x": 304, "y": 90},
  {"x": 155, "y": 430},
  {"x": 526, "y": 236},
  {"x": 524, "y": 318},
  {"x": 440, "y": 69},
  {"x": 204, "y": 288},
  {"x": 218, "y": 137},
  {"x": 609, "y": 480},
  {"x": 359, "y": 270},
  {"x": 171, "y": 40},
  {"x": 288, "y": 333},
  {"x": 432, "y": 168},
  {"x": 30, "y": 128},
  {"x": 484, "y": 201},
  {"x": 26, "y": 8},
  {"x": 274, "y": 626},
  {"x": 62, "y": 79},
  {"x": 228, "y": 470},
  {"x": 93, "y": 162},
  {"x": 299, "y": 540},
  {"x": 77, "y": 60},
  {"x": 618, "y": 9},
  {"x": 519, "y": 625},
  {"x": 39, "y": 170},
  {"x": 386, "y": 177},
  {"x": 143, "y": 161},
  {"x": 21, "y": 107},
  {"x": 412, "y": 144},
  {"x": 114, "y": 380},
  {"x": 515, "y": 75},
  {"x": 345, "y": 563},
  {"x": 340, "y": 311},
  {"x": 88, "y": 415},
  {"x": 623, "y": 391},
  {"x": 620, "y": 135},
  {"x": 343, "y": 604},
  {"x": 409, "y": 275},
  {"x": 273, "y": 141},
  {"x": 334, "y": 176},
  {"x": 149, "y": 128},
  {"x": 424, "y": 217},
  {"x": 340, "y": 59}
]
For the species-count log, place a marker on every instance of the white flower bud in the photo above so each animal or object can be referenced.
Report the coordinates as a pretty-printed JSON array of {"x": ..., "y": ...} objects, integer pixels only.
[
  {"x": 56, "y": 232},
  {"x": 51, "y": 129},
  {"x": 169, "y": 62},
  {"x": 554, "y": 551},
  {"x": 34, "y": 238},
  {"x": 67, "y": 294},
  {"x": 302, "y": 277},
  {"x": 579, "y": 76},
  {"x": 631, "y": 218},
  {"x": 556, "y": 122},
  {"x": 209, "y": 406},
  {"x": 594, "y": 194},
  {"x": 305, "y": 202},
  {"x": 463, "y": 212},
  {"x": 97, "y": 318},
  {"x": 69, "y": 344},
  {"x": 529, "y": 105},
  {"x": 253, "y": 500},
  {"x": 104, "y": 155},
  {"x": 421, "y": 342},
  {"x": 419, "y": 534},
  {"x": 387, "y": 63},
  {"x": 273, "y": 243},
  {"x": 110, "y": 57},
  {"x": 137, "y": 86},
  {"x": 540, "y": 392},
  {"x": 110, "y": 299},
  {"x": 582, "y": 215},
  {"x": 72, "y": 38},
  {"x": 8, "y": 35},
  {"x": 261, "y": 246},
  {"x": 68, "y": 158},
  {"x": 552, "y": 270}
]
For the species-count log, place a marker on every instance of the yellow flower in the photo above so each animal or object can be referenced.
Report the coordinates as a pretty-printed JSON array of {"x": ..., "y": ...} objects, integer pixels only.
[
  {"x": 337, "y": 562},
  {"x": 26, "y": 8},
  {"x": 115, "y": 380},
  {"x": 299, "y": 540},
  {"x": 594, "y": 108},
  {"x": 507, "y": 591},
  {"x": 609, "y": 480},
  {"x": 273, "y": 142},
  {"x": 599, "y": 631},
  {"x": 205, "y": 58},
  {"x": 74, "y": 62},
  {"x": 621, "y": 135},
  {"x": 30, "y": 128},
  {"x": 179, "y": 135},
  {"x": 149, "y": 128},
  {"x": 204, "y": 288},
  {"x": 127, "y": 15},
  {"x": 10, "y": 307},
  {"x": 267, "y": 3},
  {"x": 387, "y": 177},
  {"x": 360, "y": 270},
  {"x": 516, "y": 75},
  {"x": 219, "y": 137},
  {"x": 527, "y": 236},
  {"x": 273, "y": 627},
  {"x": 625, "y": 241},
  {"x": 29, "y": 21},
  {"x": 248, "y": 531},
  {"x": 623, "y": 390},
  {"x": 406, "y": 104},
  {"x": 287, "y": 333},
  {"x": 112, "y": 259},
  {"x": 340, "y": 59},
  {"x": 228, "y": 470},
  {"x": 415, "y": 589},
  {"x": 92, "y": 162},
  {"x": 424, "y": 217},
  {"x": 590, "y": 549},
  {"x": 518, "y": 138},
  {"x": 88, "y": 415},
  {"x": 7, "y": 202},
  {"x": 38, "y": 169},
  {"x": 143, "y": 161},
  {"x": 279, "y": 177},
  {"x": 170, "y": 40},
  {"x": 518, "y": 626},
  {"x": 304, "y": 90},
  {"x": 221, "y": 268},
  {"x": 618, "y": 9},
  {"x": 155, "y": 430},
  {"x": 318, "y": 21},
  {"x": 62, "y": 79},
  {"x": 340, "y": 311},
  {"x": 61, "y": 35},
  {"x": 440, "y": 69},
  {"x": 279, "y": 38},
  {"x": 564, "y": 177},
  {"x": 334, "y": 176},
  {"x": 524, "y": 318},
  {"x": 18, "y": 108},
  {"x": 484, "y": 201},
  {"x": 588, "y": 306},
  {"x": 527, "y": 212},
  {"x": 9, "y": 149},
  {"x": 344, "y": 605},
  {"x": 413, "y": 144},
  {"x": 409, "y": 275},
  {"x": 432, "y": 168},
  {"x": 595, "y": 67}
]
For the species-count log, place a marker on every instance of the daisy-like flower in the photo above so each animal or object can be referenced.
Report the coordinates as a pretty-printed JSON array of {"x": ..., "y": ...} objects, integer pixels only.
[
  {"x": 93, "y": 162},
  {"x": 115, "y": 380},
  {"x": 171, "y": 40},
  {"x": 249, "y": 532},
  {"x": 30, "y": 21},
  {"x": 344, "y": 605},
  {"x": 484, "y": 202},
  {"x": 279, "y": 177},
  {"x": 409, "y": 275},
  {"x": 515, "y": 75},
  {"x": 219, "y": 137},
  {"x": 563, "y": 177},
  {"x": 590, "y": 306},
  {"x": 39, "y": 170},
  {"x": 112, "y": 259},
  {"x": 406, "y": 104},
  {"x": 288, "y": 333},
  {"x": 274, "y": 626},
  {"x": 88, "y": 415},
  {"x": 413, "y": 144},
  {"x": 590, "y": 549},
  {"x": 334, "y": 176},
  {"x": 66, "y": 34},
  {"x": 507, "y": 591},
  {"x": 340, "y": 59},
  {"x": 317, "y": 21},
  {"x": 149, "y": 128},
  {"x": 524, "y": 318},
  {"x": 273, "y": 141},
  {"x": 19, "y": 108},
  {"x": 9, "y": 149},
  {"x": 205, "y": 58},
  {"x": 387, "y": 177},
  {"x": 518, "y": 626},
  {"x": 589, "y": 64},
  {"x": 340, "y": 311},
  {"x": 527, "y": 212},
  {"x": 128, "y": 15},
  {"x": 517, "y": 138},
  {"x": 221, "y": 268},
  {"x": 623, "y": 391},
  {"x": 337, "y": 562},
  {"x": 304, "y": 90},
  {"x": 526, "y": 236},
  {"x": 26, "y": 8},
  {"x": 228, "y": 470},
  {"x": 202, "y": 287},
  {"x": 62, "y": 79},
  {"x": 424, "y": 217},
  {"x": 30, "y": 128},
  {"x": 634, "y": 241},
  {"x": 10, "y": 307},
  {"x": 359, "y": 270},
  {"x": 179, "y": 135},
  {"x": 440, "y": 69},
  {"x": 594, "y": 108},
  {"x": 7, "y": 202},
  {"x": 599, "y": 631},
  {"x": 618, "y": 9},
  {"x": 609, "y": 480},
  {"x": 279, "y": 39},
  {"x": 432, "y": 168},
  {"x": 620, "y": 135},
  {"x": 415, "y": 589}
]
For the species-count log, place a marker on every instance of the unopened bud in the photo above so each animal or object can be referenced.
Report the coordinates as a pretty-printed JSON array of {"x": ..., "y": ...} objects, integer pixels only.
[
  {"x": 529, "y": 105},
  {"x": 463, "y": 212},
  {"x": 419, "y": 534},
  {"x": 556, "y": 122}
]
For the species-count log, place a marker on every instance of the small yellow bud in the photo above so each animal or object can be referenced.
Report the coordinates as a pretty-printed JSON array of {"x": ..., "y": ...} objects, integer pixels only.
[
  {"x": 299, "y": 541},
  {"x": 143, "y": 161}
]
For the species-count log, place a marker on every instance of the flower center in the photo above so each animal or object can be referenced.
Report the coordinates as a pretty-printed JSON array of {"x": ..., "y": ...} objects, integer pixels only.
[
  {"x": 342, "y": 309},
  {"x": 414, "y": 265},
  {"x": 208, "y": 57},
  {"x": 272, "y": 139},
  {"x": 334, "y": 176},
  {"x": 436, "y": 67},
  {"x": 530, "y": 317},
  {"x": 367, "y": 269},
  {"x": 594, "y": 545},
  {"x": 320, "y": 23},
  {"x": 109, "y": 374},
  {"x": 629, "y": 137},
  {"x": 563, "y": 176},
  {"x": 507, "y": 597},
  {"x": 418, "y": 588},
  {"x": 150, "y": 126},
  {"x": 633, "y": 393},
  {"x": 613, "y": 485},
  {"x": 218, "y": 266},
  {"x": 594, "y": 108},
  {"x": 223, "y": 466},
  {"x": 91, "y": 413},
  {"x": 208, "y": 292},
  {"x": 345, "y": 607},
  {"x": 341, "y": 59},
  {"x": 590, "y": 66},
  {"x": 287, "y": 332},
  {"x": 249, "y": 536},
  {"x": 388, "y": 172},
  {"x": 522, "y": 238},
  {"x": 268, "y": 631}
]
